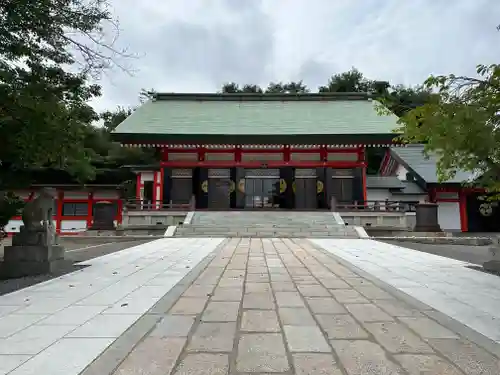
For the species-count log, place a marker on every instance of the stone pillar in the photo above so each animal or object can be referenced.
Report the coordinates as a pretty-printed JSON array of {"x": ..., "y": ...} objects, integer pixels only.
[
  {"x": 427, "y": 218},
  {"x": 493, "y": 265}
]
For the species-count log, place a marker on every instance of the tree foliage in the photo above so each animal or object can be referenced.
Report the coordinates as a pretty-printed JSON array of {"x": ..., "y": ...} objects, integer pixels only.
[
  {"x": 460, "y": 123},
  {"x": 48, "y": 51}
]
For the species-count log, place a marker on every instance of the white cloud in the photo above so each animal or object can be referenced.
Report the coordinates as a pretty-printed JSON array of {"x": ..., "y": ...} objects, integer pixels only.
[{"x": 196, "y": 45}]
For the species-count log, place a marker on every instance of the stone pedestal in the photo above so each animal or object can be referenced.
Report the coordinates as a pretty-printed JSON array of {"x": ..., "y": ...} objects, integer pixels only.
[
  {"x": 33, "y": 252},
  {"x": 427, "y": 218},
  {"x": 104, "y": 216},
  {"x": 494, "y": 263}
]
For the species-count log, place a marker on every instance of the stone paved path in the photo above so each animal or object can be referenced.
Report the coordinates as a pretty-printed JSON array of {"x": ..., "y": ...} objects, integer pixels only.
[
  {"x": 282, "y": 306},
  {"x": 467, "y": 295}
]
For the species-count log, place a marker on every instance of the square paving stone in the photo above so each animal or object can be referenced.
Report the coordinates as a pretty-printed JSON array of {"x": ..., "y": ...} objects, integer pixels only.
[
  {"x": 334, "y": 283},
  {"x": 213, "y": 337},
  {"x": 260, "y": 321},
  {"x": 231, "y": 282},
  {"x": 281, "y": 277},
  {"x": 221, "y": 312},
  {"x": 322, "y": 305},
  {"x": 203, "y": 364},
  {"x": 368, "y": 312},
  {"x": 257, "y": 270},
  {"x": 397, "y": 308},
  {"x": 428, "y": 328},
  {"x": 289, "y": 299},
  {"x": 305, "y": 339},
  {"x": 313, "y": 291},
  {"x": 153, "y": 356},
  {"x": 173, "y": 326},
  {"x": 357, "y": 281},
  {"x": 264, "y": 301},
  {"x": 199, "y": 291},
  {"x": 315, "y": 364},
  {"x": 348, "y": 296},
  {"x": 299, "y": 271},
  {"x": 227, "y": 294},
  {"x": 373, "y": 292},
  {"x": 257, "y": 287},
  {"x": 262, "y": 353},
  {"x": 470, "y": 358},
  {"x": 279, "y": 286},
  {"x": 426, "y": 365},
  {"x": 189, "y": 306},
  {"x": 341, "y": 327},
  {"x": 362, "y": 357},
  {"x": 396, "y": 338},
  {"x": 296, "y": 316},
  {"x": 257, "y": 278}
]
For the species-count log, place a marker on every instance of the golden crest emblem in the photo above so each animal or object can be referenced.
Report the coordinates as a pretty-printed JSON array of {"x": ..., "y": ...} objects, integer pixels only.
[
  {"x": 282, "y": 185},
  {"x": 204, "y": 186},
  {"x": 319, "y": 186}
]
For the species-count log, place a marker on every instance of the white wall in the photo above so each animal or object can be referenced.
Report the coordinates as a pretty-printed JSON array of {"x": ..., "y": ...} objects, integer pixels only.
[
  {"x": 73, "y": 225},
  {"x": 378, "y": 194},
  {"x": 13, "y": 226},
  {"x": 401, "y": 172},
  {"x": 449, "y": 215}
]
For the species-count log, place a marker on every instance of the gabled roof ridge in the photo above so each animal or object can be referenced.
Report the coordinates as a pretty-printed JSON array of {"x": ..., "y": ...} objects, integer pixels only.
[{"x": 165, "y": 96}]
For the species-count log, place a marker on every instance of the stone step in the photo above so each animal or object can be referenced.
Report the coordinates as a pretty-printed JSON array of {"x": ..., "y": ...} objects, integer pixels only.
[{"x": 271, "y": 235}]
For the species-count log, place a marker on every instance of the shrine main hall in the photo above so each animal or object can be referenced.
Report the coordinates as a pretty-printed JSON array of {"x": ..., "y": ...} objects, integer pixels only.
[{"x": 256, "y": 151}]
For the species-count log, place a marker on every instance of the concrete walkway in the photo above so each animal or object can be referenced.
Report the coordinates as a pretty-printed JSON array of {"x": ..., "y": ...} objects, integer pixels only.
[
  {"x": 470, "y": 296},
  {"x": 60, "y": 326},
  {"x": 253, "y": 306}
]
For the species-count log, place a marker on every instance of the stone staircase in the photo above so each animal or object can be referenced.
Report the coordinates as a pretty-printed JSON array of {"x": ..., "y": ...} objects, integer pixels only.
[{"x": 295, "y": 224}]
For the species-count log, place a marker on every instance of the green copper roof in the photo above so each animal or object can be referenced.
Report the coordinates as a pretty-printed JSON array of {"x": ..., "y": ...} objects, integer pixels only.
[{"x": 257, "y": 115}]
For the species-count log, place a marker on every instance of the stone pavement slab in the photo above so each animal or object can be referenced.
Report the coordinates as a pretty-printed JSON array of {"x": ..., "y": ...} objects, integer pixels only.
[
  {"x": 62, "y": 325},
  {"x": 293, "y": 326},
  {"x": 469, "y": 296}
]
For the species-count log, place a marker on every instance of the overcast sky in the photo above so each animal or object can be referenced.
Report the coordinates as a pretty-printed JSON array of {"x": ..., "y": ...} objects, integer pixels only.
[{"x": 197, "y": 45}]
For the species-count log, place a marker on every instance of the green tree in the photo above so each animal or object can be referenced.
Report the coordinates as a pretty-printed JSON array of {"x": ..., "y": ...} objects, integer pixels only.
[
  {"x": 460, "y": 123},
  {"x": 287, "y": 88},
  {"x": 48, "y": 50}
]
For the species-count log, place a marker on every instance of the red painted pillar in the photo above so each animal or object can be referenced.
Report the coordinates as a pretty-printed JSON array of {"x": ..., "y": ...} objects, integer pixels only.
[
  {"x": 138, "y": 186},
  {"x": 464, "y": 220},
  {"x": 90, "y": 209},
  {"x": 59, "y": 211},
  {"x": 119, "y": 214},
  {"x": 287, "y": 154},
  {"x": 362, "y": 159}
]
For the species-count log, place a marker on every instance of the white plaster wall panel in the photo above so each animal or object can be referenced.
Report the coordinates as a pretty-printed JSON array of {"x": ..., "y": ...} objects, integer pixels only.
[
  {"x": 297, "y": 156},
  {"x": 158, "y": 177},
  {"x": 263, "y": 157},
  {"x": 378, "y": 195},
  {"x": 106, "y": 194},
  {"x": 446, "y": 195},
  {"x": 70, "y": 194},
  {"x": 147, "y": 176},
  {"x": 158, "y": 193},
  {"x": 409, "y": 198},
  {"x": 223, "y": 156},
  {"x": 185, "y": 156},
  {"x": 449, "y": 215},
  {"x": 343, "y": 156},
  {"x": 401, "y": 172},
  {"x": 73, "y": 225},
  {"x": 13, "y": 226}
]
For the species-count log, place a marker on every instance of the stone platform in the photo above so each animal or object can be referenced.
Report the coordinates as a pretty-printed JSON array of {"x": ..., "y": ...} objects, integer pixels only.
[{"x": 252, "y": 306}]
